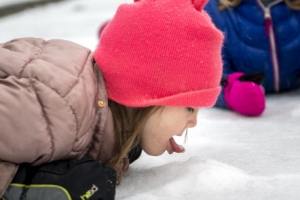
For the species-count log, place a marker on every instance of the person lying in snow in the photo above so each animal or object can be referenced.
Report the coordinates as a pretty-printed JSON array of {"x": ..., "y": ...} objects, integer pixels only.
[
  {"x": 66, "y": 112},
  {"x": 260, "y": 52}
]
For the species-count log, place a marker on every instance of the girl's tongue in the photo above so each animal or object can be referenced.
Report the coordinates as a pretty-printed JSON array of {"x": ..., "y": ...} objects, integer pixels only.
[{"x": 174, "y": 147}]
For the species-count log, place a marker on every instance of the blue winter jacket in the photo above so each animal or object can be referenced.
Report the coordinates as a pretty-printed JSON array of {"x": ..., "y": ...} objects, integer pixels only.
[{"x": 260, "y": 39}]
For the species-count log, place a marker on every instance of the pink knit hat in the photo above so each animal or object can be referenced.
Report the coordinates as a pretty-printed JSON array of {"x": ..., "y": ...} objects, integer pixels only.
[{"x": 161, "y": 52}]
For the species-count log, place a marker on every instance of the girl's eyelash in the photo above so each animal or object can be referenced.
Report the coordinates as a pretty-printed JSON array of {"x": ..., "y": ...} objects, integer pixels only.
[{"x": 190, "y": 109}]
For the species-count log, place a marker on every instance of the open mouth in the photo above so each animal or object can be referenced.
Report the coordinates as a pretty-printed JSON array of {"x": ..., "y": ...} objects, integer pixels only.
[{"x": 174, "y": 147}]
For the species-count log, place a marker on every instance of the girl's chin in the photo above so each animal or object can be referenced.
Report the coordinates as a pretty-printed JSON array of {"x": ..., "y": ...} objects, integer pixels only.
[{"x": 154, "y": 152}]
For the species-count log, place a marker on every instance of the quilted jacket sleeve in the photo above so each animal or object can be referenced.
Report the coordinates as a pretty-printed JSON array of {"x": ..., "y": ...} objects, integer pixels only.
[
  {"x": 26, "y": 119},
  {"x": 47, "y": 92}
]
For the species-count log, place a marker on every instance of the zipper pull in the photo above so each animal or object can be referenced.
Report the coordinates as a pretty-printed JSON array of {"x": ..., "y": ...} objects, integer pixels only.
[{"x": 268, "y": 21}]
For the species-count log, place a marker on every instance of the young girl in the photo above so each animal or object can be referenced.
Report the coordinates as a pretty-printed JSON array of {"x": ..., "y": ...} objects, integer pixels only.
[
  {"x": 143, "y": 85},
  {"x": 260, "y": 36}
]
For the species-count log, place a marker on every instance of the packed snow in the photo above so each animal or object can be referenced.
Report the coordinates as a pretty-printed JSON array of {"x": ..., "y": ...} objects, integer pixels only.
[{"x": 228, "y": 156}]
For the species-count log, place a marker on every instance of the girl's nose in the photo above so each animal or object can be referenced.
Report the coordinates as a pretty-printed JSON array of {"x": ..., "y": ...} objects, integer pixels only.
[{"x": 192, "y": 122}]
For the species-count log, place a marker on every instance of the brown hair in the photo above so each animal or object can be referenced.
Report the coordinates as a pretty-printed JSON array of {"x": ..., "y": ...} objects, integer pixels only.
[
  {"x": 128, "y": 128},
  {"x": 224, "y": 4}
]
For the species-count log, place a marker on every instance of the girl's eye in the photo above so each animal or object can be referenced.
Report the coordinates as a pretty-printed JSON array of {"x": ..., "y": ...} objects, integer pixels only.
[{"x": 190, "y": 109}]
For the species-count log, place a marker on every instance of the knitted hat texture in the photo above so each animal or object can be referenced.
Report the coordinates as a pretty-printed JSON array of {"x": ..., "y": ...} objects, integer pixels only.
[{"x": 161, "y": 52}]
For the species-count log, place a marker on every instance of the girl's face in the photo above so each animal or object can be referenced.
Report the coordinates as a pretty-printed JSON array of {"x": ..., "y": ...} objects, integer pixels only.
[{"x": 162, "y": 125}]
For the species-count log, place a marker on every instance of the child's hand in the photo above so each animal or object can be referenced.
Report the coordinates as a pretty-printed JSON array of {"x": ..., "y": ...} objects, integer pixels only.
[{"x": 243, "y": 93}]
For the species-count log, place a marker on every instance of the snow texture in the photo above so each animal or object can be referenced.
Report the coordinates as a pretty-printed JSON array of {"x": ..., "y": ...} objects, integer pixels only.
[{"x": 228, "y": 156}]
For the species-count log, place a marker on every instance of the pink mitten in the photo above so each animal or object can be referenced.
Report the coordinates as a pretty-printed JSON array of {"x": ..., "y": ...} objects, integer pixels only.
[{"x": 244, "y": 94}]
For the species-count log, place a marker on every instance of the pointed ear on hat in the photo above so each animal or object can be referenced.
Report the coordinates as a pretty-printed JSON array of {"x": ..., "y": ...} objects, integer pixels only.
[{"x": 199, "y": 4}]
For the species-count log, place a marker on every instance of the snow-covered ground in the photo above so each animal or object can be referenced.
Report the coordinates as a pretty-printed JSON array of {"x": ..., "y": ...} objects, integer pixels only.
[{"x": 228, "y": 156}]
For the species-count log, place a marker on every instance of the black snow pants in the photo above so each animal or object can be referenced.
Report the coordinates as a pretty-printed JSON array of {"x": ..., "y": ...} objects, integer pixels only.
[{"x": 83, "y": 179}]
